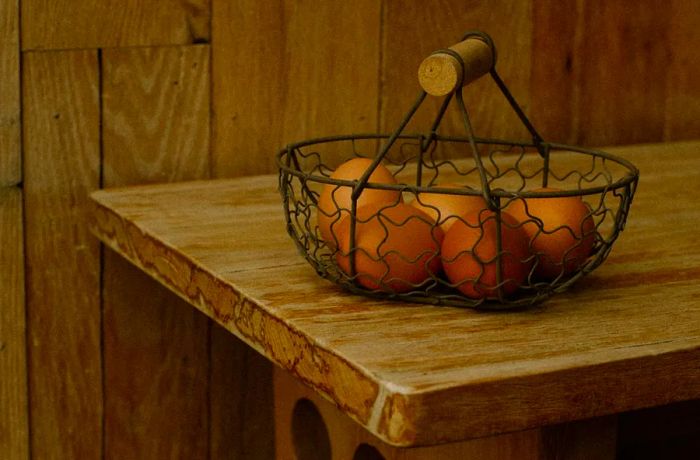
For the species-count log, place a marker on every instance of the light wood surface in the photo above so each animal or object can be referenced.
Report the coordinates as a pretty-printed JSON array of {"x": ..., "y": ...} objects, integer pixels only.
[
  {"x": 156, "y": 359},
  {"x": 69, "y": 24},
  {"x": 10, "y": 169},
  {"x": 14, "y": 420},
  {"x": 61, "y": 166},
  {"x": 625, "y": 337}
]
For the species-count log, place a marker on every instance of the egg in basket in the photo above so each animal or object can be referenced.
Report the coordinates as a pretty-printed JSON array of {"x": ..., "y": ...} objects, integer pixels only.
[{"x": 505, "y": 226}]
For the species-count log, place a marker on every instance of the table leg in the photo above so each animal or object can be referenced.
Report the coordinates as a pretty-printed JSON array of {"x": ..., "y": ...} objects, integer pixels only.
[{"x": 309, "y": 427}]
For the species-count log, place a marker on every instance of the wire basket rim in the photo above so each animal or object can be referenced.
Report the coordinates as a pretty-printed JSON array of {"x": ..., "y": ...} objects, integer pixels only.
[{"x": 631, "y": 176}]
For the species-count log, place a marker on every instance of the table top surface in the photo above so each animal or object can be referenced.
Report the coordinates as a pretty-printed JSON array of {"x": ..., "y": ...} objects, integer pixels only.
[{"x": 627, "y": 336}]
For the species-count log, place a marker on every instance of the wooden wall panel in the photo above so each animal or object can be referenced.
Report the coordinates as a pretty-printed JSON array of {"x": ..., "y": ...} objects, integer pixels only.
[
  {"x": 411, "y": 34},
  {"x": 241, "y": 418},
  {"x": 285, "y": 71},
  {"x": 156, "y": 114},
  {"x": 10, "y": 173},
  {"x": 553, "y": 80},
  {"x": 682, "y": 82},
  {"x": 600, "y": 70},
  {"x": 14, "y": 421},
  {"x": 67, "y": 24},
  {"x": 61, "y": 154},
  {"x": 622, "y": 61},
  {"x": 155, "y": 129},
  {"x": 155, "y": 352}
]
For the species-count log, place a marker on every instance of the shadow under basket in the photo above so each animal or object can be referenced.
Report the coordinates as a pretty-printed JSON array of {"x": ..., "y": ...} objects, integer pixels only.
[{"x": 509, "y": 178}]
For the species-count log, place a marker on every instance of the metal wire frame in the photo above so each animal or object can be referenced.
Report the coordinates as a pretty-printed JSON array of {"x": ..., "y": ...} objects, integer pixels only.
[
  {"x": 300, "y": 200},
  {"x": 300, "y": 206}
]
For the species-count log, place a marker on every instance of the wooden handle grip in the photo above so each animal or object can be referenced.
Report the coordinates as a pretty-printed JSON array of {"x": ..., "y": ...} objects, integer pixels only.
[{"x": 440, "y": 73}]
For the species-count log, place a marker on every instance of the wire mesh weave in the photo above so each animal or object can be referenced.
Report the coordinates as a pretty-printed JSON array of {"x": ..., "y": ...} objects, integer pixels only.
[{"x": 506, "y": 175}]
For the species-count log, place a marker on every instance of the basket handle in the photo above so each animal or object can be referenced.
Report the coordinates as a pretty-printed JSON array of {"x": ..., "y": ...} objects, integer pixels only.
[{"x": 446, "y": 70}]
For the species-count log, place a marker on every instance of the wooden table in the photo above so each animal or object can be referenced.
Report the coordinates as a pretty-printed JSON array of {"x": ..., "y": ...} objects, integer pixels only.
[{"x": 626, "y": 337}]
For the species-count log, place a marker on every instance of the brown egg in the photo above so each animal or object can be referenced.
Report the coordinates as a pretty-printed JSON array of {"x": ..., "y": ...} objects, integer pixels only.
[
  {"x": 397, "y": 247},
  {"x": 335, "y": 201},
  {"x": 445, "y": 208},
  {"x": 469, "y": 255},
  {"x": 564, "y": 239}
]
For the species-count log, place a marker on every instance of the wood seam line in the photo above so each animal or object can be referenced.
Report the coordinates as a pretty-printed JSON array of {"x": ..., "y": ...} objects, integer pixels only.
[{"x": 100, "y": 124}]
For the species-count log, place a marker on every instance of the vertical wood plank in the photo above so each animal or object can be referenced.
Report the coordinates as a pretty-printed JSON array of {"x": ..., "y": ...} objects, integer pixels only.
[
  {"x": 682, "y": 86},
  {"x": 14, "y": 421},
  {"x": 10, "y": 168},
  {"x": 155, "y": 352},
  {"x": 286, "y": 71},
  {"x": 552, "y": 73},
  {"x": 615, "y": 72},
  {"x": 241, "y": 400},
  {"x": 411, "y": 34},
  {"x": 61, "y": 154},
  {"x": 68, "y": 24},
  {"x": 156, "y": 114},
  {"x": 155, "y": 129},
  {"x": 622, "y": 59}
]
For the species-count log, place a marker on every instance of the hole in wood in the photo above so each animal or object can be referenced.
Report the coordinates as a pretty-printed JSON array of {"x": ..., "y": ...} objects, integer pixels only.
[
  {"x": 367, "y": 452},
  {"x": 309, "y": 433}
]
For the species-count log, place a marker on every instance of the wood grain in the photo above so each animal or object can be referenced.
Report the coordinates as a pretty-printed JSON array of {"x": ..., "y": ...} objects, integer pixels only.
[
  {"x": 14, "y": 416},
  {"x": 155, "y": 353},
  {"x": 285, "y": 71},
  {"x": 156, "y": 357},
  {"x": 10, "y": 164},
  {"x": 411, "y": 34},
  {"x": 156, "y": 114},
  {"x": 437, "y": 374},
  {"x": 625, "y": 105},
  {"x": 682, "y": 88},
  {"x": 241, "y": 408},
  {"x": 553, "y": 76},
  {"x": 67, "y": 24},
  {"x": 61, "y": 133}
]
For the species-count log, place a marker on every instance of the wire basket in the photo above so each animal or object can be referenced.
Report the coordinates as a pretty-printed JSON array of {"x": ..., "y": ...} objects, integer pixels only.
[{"x": 504, "y": 227}]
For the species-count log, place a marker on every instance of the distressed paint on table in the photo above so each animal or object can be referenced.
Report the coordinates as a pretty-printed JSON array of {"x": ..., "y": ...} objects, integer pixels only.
[{"x": 626, "y": 337}]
